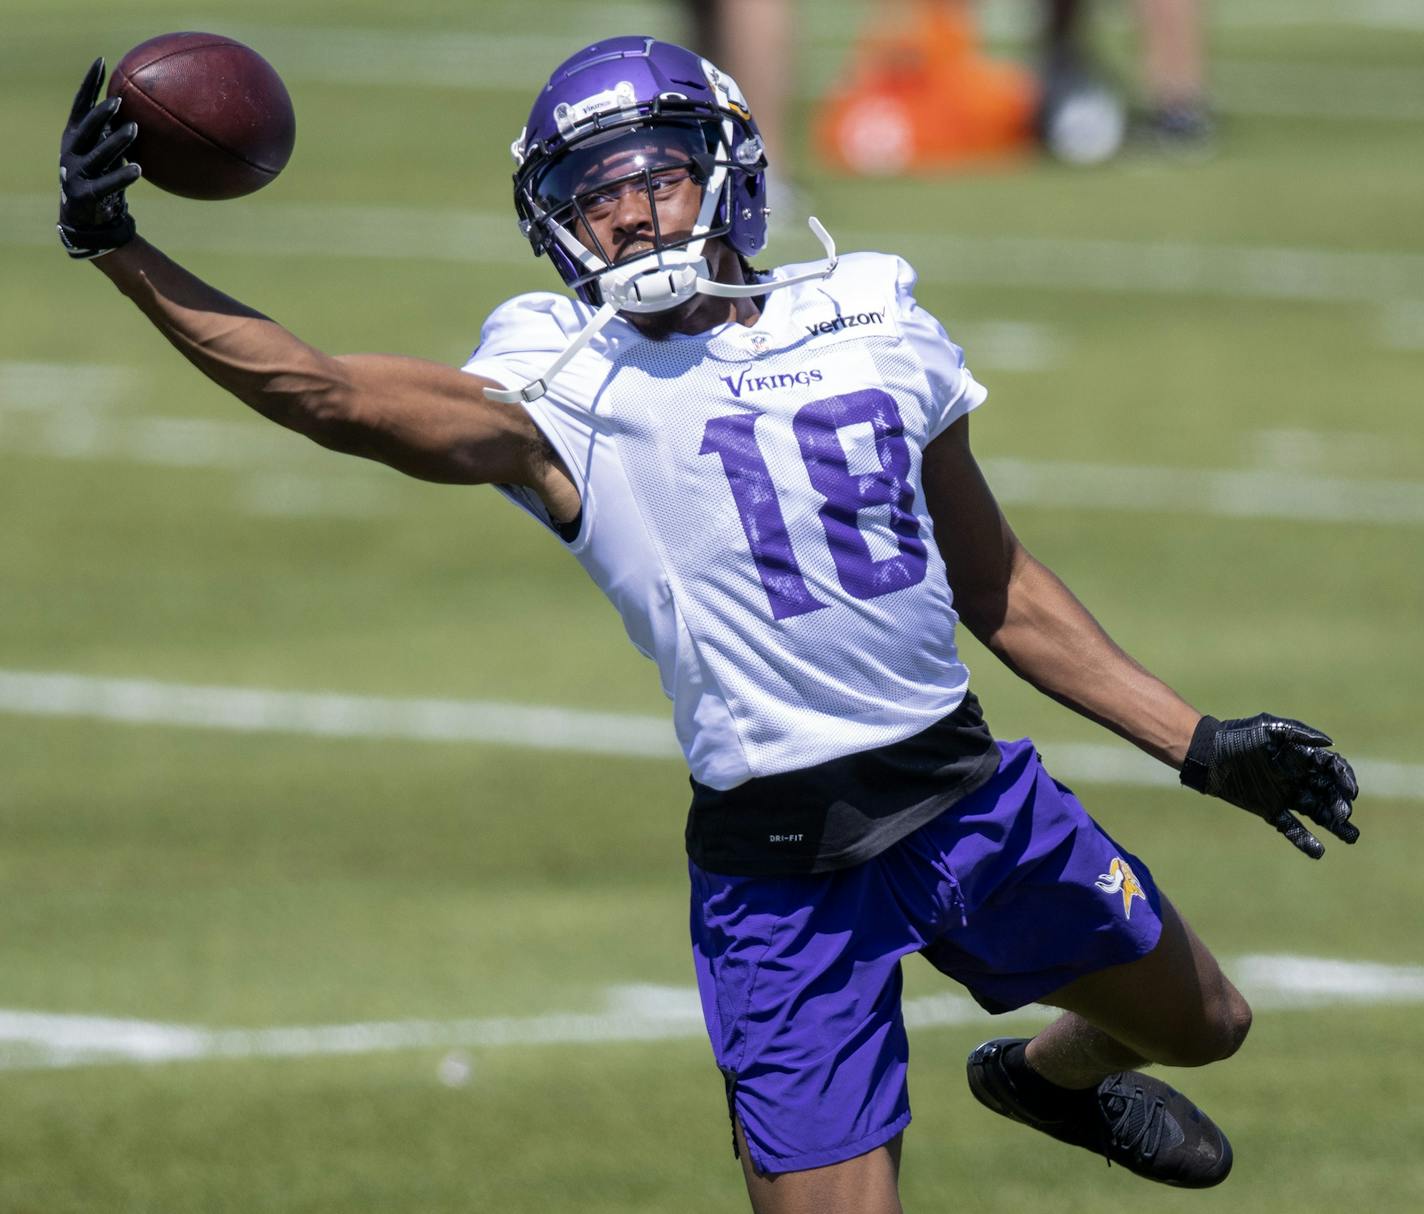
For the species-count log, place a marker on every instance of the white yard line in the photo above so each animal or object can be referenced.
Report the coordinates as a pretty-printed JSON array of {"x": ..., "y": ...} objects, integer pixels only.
[
  {"x": 836, "y": 24},
  {"x": 1319, "y": 90},
  {"x": 1106, "y": 763},
  {"x": 1012, "y": 345},
  {"x": 76, "y": 432},
  {"x": 263, "y": 229},
  {"x": 337, "y": 715},
  {"x": 1302, "y": 449},
  {"x": 39, "y": 1040},
  {"x": 47, "y": 386},
  {"x": 1402, "y": 16},
  {"x": 292, "y": 495},
  {"x": 488, "y": 60},
  {"x": 1156, "y": 267},
  {"x": 1231, "y": 493},
  {"x": 330, "y": 714},
  {"x": 313, "y": 487},
  {"x": 1402, "y": 326}
]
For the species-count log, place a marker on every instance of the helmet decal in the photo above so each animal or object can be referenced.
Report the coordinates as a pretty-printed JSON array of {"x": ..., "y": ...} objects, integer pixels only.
[
  {"x": 726, "y": 89},
  {"x": 568, "y": 115}
]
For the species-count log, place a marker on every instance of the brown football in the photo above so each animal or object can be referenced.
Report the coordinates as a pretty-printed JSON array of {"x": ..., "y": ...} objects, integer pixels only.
[{"x": 214, "y": 118}]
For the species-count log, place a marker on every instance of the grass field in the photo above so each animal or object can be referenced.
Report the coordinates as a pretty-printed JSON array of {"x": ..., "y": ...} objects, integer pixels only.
[{"x": 1205, "y": 391}]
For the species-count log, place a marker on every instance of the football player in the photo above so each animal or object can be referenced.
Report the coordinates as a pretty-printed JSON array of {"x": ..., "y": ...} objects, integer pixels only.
[{"x": 770, "y": 476}]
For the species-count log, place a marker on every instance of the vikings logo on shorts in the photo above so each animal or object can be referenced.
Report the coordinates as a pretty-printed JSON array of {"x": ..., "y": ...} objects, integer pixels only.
[{"x": 1120, "y": 879}]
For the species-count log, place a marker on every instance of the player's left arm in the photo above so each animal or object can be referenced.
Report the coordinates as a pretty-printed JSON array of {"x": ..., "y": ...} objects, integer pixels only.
[{"x": 1033, "y": 623}]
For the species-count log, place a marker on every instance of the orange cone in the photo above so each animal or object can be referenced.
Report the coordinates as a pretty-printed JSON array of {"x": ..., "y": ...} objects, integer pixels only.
[{"x": 924, "y": 97}]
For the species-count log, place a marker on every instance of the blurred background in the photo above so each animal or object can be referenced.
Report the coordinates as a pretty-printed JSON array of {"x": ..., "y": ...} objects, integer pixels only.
[{"x": 340, "y": 829}]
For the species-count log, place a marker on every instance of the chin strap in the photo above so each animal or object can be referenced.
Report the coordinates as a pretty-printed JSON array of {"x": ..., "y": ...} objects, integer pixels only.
[
  {"x": 727, "y": 290},
  {"x": 536, "y": 388},
  {"x": 656, "y": 287}
]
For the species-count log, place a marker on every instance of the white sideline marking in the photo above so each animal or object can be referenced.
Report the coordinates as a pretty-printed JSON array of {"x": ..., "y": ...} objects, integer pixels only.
[
  {"x": 263, "y": 229},
  {"x": 85, "y": 432},
  {"x": 1011, "y": 345},
  {"x": 38, "y": 1040},
  {"x": 328, "y": 714},
  {"x": 78, "y": 433},
  {"x": 45, "y": 386},
  {"x": 1300, "y": 449},
  {"x": 1097, "y": 763},
  {"x": 287, "y": 495},
  {"x": 1379, "y": 94},
  {"x": 491, "y": 60},
  {"x": 632, "y": 735},
  {"x": 1152, "y": 267},
  {"x": 1286, "y": 981},
  {"x": 1402, "y": 15},
  {"x": 414, "y": 59},
  {"x": 1402, "y": 326},
  {"x": 1234, "y": 493}
]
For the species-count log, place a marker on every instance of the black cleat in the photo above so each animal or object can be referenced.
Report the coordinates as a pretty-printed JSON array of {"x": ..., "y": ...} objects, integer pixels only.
[{"x": 1132, "y": 1119}]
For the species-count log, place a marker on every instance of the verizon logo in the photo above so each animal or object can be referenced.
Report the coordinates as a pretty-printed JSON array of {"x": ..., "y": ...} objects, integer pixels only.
[{"x": 846, "y": 322}]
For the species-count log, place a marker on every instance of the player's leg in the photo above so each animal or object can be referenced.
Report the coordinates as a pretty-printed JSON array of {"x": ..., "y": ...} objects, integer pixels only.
[
  {"x": 867, "y": 1184},
  {"x": 800, "y": 984},
  {"x": 1173, "y": 1006},
  {"x": 1078, "y": 1079},
  {"x": 1054, "y": 910}
]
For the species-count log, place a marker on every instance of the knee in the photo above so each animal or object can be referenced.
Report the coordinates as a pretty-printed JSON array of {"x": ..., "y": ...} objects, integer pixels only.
[
  {"x": 1234, "y": 1023},
  {"x": 1222, "y": 1029}
]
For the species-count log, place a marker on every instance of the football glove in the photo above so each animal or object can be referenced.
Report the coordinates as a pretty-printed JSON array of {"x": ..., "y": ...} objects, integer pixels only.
[
  {"x": 93, "y": 217},
  {"x": 1272, "y": 766}
]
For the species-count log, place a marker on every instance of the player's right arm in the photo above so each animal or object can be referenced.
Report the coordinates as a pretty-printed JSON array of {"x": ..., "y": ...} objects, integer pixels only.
[{"x": 424, "y": 419}]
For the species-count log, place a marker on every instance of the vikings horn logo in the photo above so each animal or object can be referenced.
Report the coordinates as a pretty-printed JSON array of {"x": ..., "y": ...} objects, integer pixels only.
[{"x": 1120, "y": 879}]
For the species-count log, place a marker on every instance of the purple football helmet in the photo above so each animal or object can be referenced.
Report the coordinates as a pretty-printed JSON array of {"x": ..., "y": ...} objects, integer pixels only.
[{"x": 655, "y": 109}]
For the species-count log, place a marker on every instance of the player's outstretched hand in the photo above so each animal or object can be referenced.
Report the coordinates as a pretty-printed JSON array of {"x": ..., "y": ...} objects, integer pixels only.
[
  {"x": 1276, "y": 768},
  {"x": 93, "y": 216}
]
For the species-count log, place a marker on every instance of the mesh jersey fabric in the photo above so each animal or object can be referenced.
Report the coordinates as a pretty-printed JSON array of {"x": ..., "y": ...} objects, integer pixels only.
[{"x": 752, "y": 507}]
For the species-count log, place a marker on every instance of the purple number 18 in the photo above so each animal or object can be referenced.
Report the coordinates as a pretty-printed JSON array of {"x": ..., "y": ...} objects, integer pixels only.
[{"x": 816, "y": 426}]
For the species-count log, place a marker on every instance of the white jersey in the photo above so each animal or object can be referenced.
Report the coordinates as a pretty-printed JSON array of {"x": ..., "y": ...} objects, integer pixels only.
[{"x": 752, "y": 507}]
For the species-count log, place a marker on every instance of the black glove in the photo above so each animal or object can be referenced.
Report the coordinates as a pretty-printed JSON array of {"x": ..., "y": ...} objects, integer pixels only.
[
  {"x": 93, "y": 217},
  {"x": 1271, "y": 766}
]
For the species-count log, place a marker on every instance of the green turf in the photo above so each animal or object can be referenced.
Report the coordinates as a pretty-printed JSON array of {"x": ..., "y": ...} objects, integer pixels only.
[
  {"x": 257, "y": 880},
  {"x": 563, "y": 1129}
]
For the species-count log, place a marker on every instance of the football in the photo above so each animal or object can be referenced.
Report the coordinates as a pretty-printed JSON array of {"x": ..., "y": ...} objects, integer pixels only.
[{"x": 214, "y": 118}]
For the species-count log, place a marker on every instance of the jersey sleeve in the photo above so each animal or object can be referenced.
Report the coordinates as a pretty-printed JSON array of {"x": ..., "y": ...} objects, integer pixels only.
[
  {"x": 953, "y": 388},
  {"x": 519, "y": 340},
  {"x": 517, "y": 343}
]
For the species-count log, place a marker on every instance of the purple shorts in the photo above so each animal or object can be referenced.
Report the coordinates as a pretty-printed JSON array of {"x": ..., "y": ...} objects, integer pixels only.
[{"x": 1014, "y": 892}]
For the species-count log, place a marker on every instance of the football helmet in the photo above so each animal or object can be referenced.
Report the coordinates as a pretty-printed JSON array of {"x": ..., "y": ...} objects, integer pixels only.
[
  {"x": 633, "y": 113},
  {"x": 635, "y": 93}
]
